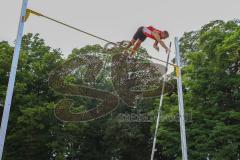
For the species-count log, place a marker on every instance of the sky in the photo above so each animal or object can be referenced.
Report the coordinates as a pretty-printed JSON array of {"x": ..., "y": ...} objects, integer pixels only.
[{"x": 115, "y": 20}]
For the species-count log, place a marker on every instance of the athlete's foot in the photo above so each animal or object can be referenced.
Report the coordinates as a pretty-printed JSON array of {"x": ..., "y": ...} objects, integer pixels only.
[
  {"x": 125, "y": 52},
  {"x": 130, "y": 59}
]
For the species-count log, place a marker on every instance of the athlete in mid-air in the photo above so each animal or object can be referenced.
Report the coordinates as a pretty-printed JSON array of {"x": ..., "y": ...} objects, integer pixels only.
[{"x": 150, "y": 32}]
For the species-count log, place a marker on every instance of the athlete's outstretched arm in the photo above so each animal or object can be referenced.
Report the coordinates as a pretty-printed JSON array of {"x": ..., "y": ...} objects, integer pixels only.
[
  {"x": 155, "y": 34},
  {"x": 155, "y": 45}
]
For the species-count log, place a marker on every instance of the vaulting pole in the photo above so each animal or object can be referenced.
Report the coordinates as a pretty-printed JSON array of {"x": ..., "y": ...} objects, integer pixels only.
[
  {"x": 180, "y": 103},
  {"x": 11, "y": 81},
  {"x": 160, "y": 108}
]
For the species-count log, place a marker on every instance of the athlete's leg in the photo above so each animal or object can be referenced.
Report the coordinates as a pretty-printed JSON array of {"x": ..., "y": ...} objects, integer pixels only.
[
  {"x": 135, "y": 47},
  {"x": 130, "y": 43},
  {"x": 136, "y": 36}
]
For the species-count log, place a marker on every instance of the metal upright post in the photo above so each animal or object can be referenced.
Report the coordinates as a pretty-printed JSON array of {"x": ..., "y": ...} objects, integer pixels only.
[
  {"x": 180, "y": 104},
  {"x": 11, "y": 81}
]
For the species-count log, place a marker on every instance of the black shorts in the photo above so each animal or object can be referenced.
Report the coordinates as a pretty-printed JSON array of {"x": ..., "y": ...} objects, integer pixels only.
[{"x": 139, "y": 35}]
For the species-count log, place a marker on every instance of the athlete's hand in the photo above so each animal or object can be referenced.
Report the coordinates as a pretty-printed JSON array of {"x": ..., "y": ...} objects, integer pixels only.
[
  {"x": 156, "y": 47},
  {"x": 168, "y": 50}
]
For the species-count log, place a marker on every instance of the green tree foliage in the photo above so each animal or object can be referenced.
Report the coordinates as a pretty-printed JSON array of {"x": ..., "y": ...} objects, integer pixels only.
[
  {"x": 211, "y": 77},
  {"x": 31, "y": 112},
  {"x": 35, "y": 133}
]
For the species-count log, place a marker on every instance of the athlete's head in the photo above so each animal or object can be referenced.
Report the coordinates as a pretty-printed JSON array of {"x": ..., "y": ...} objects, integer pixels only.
[{"x": 165, "y": 34}]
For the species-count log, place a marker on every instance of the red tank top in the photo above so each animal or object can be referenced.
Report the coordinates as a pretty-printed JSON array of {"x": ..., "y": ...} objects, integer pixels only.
[{"x": 147, "y": 31}]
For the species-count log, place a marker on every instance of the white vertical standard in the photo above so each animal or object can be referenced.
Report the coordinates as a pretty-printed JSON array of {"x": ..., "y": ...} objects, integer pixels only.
[
  {"x": 11, "y": 81},
  {"x": 180, "y": 104}
]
